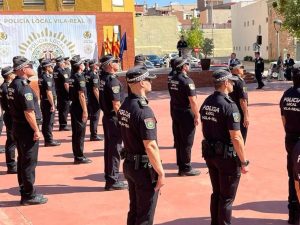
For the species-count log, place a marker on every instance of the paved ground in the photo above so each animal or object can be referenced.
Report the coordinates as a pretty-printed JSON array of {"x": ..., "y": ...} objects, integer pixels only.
[{"x": 76, "y": 194}]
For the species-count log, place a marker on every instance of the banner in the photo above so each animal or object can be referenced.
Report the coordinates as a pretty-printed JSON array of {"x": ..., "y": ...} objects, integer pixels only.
[{"x": 47, "y": 36}]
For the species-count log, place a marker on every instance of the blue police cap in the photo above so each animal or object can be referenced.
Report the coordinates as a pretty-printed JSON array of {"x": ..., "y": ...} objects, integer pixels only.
[
  {"x": 46, "y": 62},
  {"x": 59, "y": 59},
  {"x": 138, "y": 73},
  {"x": 105, "y": 60},
  {"x": 139, "y": 58},
  {"x": 6, "y": 71},
  {"x": 222, "y": 75},
  {"x": 180, "y": 61},
  {"x": 76, "y": 60},
  {"x": 20, "y": 61}
]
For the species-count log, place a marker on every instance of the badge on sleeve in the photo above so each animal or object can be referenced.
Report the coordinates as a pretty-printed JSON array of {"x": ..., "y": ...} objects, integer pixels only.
[
  {"x": 192, "y": 86},
  {"x": 95, "y": 81},
  {"x": 82, "y": 83},
  {"x": 150, "y": 123},
  {"x": 49, "y": 84},
  {"x": 116, "y": 89},
  {"x": 245, "y": 89},
  {"x": 29, "y": 96},
  {"x": 236, "y": 117},
  {"x": 66, "y": 75}
]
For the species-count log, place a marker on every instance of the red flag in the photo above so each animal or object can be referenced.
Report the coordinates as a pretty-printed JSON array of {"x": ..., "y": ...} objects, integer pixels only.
[{"x": 108, "y": 49}]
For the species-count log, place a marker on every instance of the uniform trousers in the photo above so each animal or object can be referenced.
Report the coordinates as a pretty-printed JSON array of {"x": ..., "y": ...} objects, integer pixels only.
[
  {"x": 258, "y": 76},
  {"x": 10, "y": 145},
  {"x": 143, "y": 198},
  {"x": 48, "y": 120},
  {"x": 184, "y": 132},
  {"x": 63, "y": 107},
  {"x": 94, "y": 120},
  {"x": 225, "y": 176},
  {"x": 112, "y": 148},
  {"x": 27, "y": 157},
  {"x": 78, "y": 131}
]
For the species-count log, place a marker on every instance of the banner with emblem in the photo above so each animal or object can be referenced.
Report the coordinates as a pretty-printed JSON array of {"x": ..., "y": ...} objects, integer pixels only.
[{"x": 47, "y": 36}]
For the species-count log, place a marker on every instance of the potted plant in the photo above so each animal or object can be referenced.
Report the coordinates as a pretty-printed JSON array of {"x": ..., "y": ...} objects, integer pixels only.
[{"x": 207, "y": 49}]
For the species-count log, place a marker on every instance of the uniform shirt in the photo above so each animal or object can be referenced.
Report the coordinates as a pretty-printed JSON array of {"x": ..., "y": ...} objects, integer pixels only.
[
  {"x": 46, "y": 83},
  {"x": 61, "y": 77},
  {"x": 3, "y": 96},
  {"x": 170, "y": 76},
  {"x": 110, "y": 89},
  {"x": 239, "y": 92},
  {"x": 290, "y": 109},
  {"x": 219, "y": 114},
  {"x": 77, "y": 83},
  {"x": 259, "y": 64},
  {"x": 21, "y": 97},
  {"x": 181, "y": 87},
  {"x": 296, "y": 161},
  {"x": 92, "y": 81},
  {"x": 39, "y": 71},
  {"x": 137, "y": 123}
]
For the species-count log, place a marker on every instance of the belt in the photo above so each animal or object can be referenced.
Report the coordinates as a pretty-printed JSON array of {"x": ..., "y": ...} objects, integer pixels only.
[{"x": 133, "y": 157}]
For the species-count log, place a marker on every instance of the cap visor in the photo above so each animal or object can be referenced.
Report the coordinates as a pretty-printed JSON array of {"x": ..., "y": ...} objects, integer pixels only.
[
  {"x": 152, "y": 76},
  {"x": 233, "y": 78}
]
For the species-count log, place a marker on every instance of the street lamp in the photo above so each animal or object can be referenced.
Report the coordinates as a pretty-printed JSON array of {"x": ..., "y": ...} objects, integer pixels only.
[{"x": 277, "y": 27}]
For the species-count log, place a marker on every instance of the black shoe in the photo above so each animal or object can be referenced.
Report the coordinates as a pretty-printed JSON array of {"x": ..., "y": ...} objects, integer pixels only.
[
  {"x": 82, "y": 160},
  {"x": 191, "y": 172},
  {"x": 36, "y": 200},
  {"x": 12, "y": 170},
  {"x": 64, "y": 129},
  {"x": 119, "y": 185},
  {"x": 2, "y": 150},
  {"x": 96, "y": 138},
  {"x": 52, "y": 143},
  {"x": 293, "y": 217}
]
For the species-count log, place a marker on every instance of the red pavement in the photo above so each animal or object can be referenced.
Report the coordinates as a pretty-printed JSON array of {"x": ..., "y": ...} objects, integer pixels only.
[{"x": 76, "y": 192}]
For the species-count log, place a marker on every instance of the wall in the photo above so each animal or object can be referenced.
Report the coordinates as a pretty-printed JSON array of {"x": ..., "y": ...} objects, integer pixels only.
[
  {"x": 156, "y": 34},
  {"x": 244, "y": 32}
]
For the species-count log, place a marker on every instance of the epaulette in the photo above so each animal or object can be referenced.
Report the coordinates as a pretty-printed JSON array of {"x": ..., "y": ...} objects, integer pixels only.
[
  {"x": 228, "y": 99},
  {"x": 185, "y": 76},
  {"x": 24, "y": 82},
  {"x": 143, "y": 102}
]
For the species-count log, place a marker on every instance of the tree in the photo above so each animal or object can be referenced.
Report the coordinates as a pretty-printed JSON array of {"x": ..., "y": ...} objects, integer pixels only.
[
  {"x": 208, "y": 47},
  {"x": 289, "y": 10},
  {"x": 194, "y": 36}
]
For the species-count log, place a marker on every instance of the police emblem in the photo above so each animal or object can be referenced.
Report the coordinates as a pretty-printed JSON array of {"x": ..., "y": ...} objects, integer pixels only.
[
  {"x": 192, "y": 86},
  {"x": 150, "y": 123},
  {"x": 29, "y": 96},
  {"x": 87, "y": 35},
  {"x": 245, "y": 89},
  {"x": 95, "y": 81},
  {"x": 49, "y": 84},
  {"x": 66, "y": 75},
  {"x": 3, "y": 36},
  {"x": 115, "y": 89},
  {"x": 82, "y": 83},
  {"x": 236, "y": 117}
]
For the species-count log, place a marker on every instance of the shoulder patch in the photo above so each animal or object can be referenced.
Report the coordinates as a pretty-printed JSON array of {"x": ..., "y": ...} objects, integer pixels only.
[
  {"x": 29, "y": 96},
  {"x": 185, "y": 76},
  {"x": 49, "y": 83},
  {"x": 236, "y": 117},
  {"x": 95, "y": 81},
  {"x": 116, "y": 89},
  {"x": 143, "y": 102},
  {"x": 192, "y": 86},
  {"x": 66, "y": 75},
  {"x": 82, "y": 83},
  {"x": 24, "y": 82},
  {"x": 245, "y": 89},
  {"x": 150, "y": 123}
]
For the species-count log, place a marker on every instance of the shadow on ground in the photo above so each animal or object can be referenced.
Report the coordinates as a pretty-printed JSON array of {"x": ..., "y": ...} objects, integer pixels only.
[{"x": 278, "y": 207}]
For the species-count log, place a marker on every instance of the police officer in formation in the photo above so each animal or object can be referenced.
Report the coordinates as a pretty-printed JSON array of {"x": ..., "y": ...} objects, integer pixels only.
[
  {"x": 92, "y": 86},
  {"x": 79, "y": 113},
  {"x": 2, "y": 150},
  {"x": 111, "y": 97},
  {"x": 290, "y": 114},
  {"x": 142, "y": 167},
  {"x": 296, "y": 162},
  {"x": 40, "y": 69},
  {"x": 23, "y": 105},
  {"x": 184, "y": 115},
  {"x": 240, "y": 97},
  {"x": 10, "y": 146},
  {"x": 222, "y": 145},
  {"x": 61, "y": 74},
  {"x": 259, "y": 69},
  {"x": 47, "y": 97}
]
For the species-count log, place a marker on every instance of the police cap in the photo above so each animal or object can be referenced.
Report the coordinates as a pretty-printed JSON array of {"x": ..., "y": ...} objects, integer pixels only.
[
  {"x": 40, "y": 60},
  {"x": 105, "y": 60},
  {"x": 6, "y": 71},
  {"x": 180, "y": 61},
  {"x": 66, "y": 58},
  {"x": 93, "y": 62},
  {"x": 46, "y": 62},
  {"x": 138, "y": 73},
  {"x": 76, "y": 60},
  {"x": 139, "y": 58},
  {"x": 59, "y": 59},
  {"x": 296, "y": 70},
  {"x": 222, "y": 75},
  {"x": 20, "y": 61}
]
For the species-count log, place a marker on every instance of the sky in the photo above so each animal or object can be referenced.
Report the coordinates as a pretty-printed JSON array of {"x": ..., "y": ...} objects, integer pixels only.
[{"x": 164, "y": 2}]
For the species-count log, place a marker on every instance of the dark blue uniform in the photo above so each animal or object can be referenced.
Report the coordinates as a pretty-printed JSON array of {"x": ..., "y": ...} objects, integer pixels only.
[
  {"x": 77, "y": 83},
  {"x": 240, "y": 92},
  {"x": 290, "y": 109},
  {"x": 170, "y": 76},
  {"x": 92, "y": 81},
  {"x": 296, "y": 161},
  {"x": 46, "y": 83},
  {"x": 21, "y": 98},
  {"x": 138, "y": 123},
  {"x": 219, "y": 114},
  {"x": 259, "y": 69},
  {"x": 61, "y": 77},
  {"x": 10, "y": 145},
  {"x": 181, "y": 87},
  {"x": 110, "y": 89},
  {"x": 289, "y": 65}
]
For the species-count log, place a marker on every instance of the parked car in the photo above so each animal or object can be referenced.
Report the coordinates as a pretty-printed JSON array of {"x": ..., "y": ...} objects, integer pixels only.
[
  {"x": 149, "y": 64},
  {"x": 155, "y": 60},
  {"x": 194, "y": 62}
]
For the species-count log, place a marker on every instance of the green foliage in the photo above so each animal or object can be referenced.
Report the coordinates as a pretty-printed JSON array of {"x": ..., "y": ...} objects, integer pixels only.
[
  {"x": 194, "y": 36},
  {"x": 208, "y": 47},
  {"x": 290, "y": 11}
]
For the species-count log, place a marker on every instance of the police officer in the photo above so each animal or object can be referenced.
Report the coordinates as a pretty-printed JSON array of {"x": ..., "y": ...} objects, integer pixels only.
[
  {"x": 240, "y": 97},
  {"x": 184, "y": 115},
  {"x": 40, "y": 69},
  {"x": 290, "y": 113},
  {"x": 222, "y": 145},
  {"x": 2, "y": 150},
  {"x": 288, "y": 63},
  {"x": 181, "y": 45},
  {"x": 111, "y": 96},
  {"x": 259, "y": 69},
  {"x": 23, "y": 105},
  {"x": 61, "y": 74},
  {"x": 142, "y": 167},
  {"x": 47, "y": 97},
  {"x": 10, "y": 146},
  {"x": 296, "y": 162},
  {"x": 92, "y": 86},
  {"x": 233, "y": 61},
  {"x": 79, "y": 113},
  {"x": 139, "y": 60}
]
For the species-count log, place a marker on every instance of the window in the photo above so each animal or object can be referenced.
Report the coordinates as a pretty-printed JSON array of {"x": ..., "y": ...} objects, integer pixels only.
[
  {"x": 34, "y": 2},
  {"x": 248, "y": 48},
  {"x": 259, "y": 29},
  {"x": 1, "y": 2},
  {"x": 239, "y": 48},
  {"x": 267, "y": 48},
  {"x": 68, "y": 2},
  {"x": 267, "y": 19},
  {"x": 245, "y": 48},
  {"x": 252, "y": 22},
  {"x": 118, "y": 2},
  {"x": 245, "y": 24}
]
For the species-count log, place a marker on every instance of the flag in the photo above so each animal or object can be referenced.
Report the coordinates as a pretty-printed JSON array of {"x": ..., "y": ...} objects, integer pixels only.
[
  {"x": 123, "y": 45},
  {"x": 117, "y": 48},
  {"x": 113, "y": 45},
  {"x": 107, "y": 47}
]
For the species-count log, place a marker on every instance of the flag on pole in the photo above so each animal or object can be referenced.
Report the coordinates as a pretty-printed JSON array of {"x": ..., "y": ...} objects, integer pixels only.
[
  {"x": 108, "y": 49},
  {"x": 123, "y": 45}
]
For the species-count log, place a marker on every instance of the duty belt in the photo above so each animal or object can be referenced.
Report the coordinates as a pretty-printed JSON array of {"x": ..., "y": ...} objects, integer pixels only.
[{"x": 135, "y": 157}]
